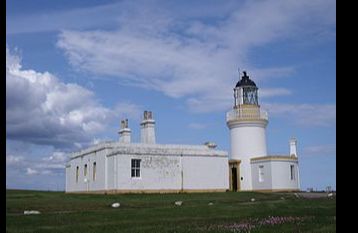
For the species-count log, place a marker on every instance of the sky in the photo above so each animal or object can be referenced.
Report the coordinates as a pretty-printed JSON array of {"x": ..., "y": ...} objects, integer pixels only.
[{"x": 74, "y": 69}]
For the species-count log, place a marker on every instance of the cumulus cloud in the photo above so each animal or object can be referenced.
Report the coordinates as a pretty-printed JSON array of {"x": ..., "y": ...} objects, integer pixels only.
[
  {"x": 56, "y": 161},
  {"x": 20, "y": 166},
  {"x": 44, "y": 112},
  {"x": 41, "y": 109}
]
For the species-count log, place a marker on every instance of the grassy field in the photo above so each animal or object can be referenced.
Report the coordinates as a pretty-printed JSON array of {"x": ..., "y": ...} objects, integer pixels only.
[{"x": 229, "y": 212}]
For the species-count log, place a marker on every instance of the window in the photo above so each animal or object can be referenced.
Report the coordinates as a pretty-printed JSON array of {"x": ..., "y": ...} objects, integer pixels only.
[
  {"x": 85, "y": 170},
  {"x": 261, "y": 173},
  {"x": 135, "y": 171},
  {"x": 292, "y": 171},
  {"x": 94, "y": 171},
  {"x": 77, "y": 171}
]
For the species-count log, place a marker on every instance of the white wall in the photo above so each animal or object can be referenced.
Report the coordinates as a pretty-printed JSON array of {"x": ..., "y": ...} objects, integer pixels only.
[
  {"x": 247, "y": 140},
  {"x": 68, "y": 177},
  {"x": 110, "y": 173},
  {"x": 205, "y": 172},
  {"x": 89, "y": 159},
  {"x": 163, "y": 167},
  {"x": 165, "y": 172},
  {"x": 267, "y": 175},
  {"x": 281, "y": 177},
  {"x": 157, "y": 172},
  {"x": 277, "y": 175}
]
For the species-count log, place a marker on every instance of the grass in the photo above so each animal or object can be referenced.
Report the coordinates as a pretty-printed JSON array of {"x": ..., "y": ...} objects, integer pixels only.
[{"x": 230, "y": 212}]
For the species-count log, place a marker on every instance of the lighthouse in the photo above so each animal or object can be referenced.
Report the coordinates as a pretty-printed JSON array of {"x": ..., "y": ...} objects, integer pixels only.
[{"x": 247, "y": 124}]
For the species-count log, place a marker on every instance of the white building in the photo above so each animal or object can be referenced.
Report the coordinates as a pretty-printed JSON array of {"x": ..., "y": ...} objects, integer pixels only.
[
  {"x": 123, "y": 166},
  {"x": 115, "y": 167}
]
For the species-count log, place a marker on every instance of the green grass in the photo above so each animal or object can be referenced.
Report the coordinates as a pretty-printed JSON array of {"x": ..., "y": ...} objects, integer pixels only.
[{"x": 82, "y": 213}]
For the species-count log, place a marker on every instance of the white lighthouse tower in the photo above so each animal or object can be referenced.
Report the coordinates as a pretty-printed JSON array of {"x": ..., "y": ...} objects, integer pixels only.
[{"x": 247, "y": 124}]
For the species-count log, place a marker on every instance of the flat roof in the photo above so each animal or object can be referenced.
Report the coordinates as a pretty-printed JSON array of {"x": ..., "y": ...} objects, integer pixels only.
[
  {"x": 274, "y": 157},
  {"x": 150, "y": 149}
]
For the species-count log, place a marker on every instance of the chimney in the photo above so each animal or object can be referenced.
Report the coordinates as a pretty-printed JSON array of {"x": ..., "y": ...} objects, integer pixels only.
[
  {"x": 293, "y": 147},
  {"x": 124, "y": 132},
  {"x": 147, "y": 128},
  {"x": 210, "y": 145}
]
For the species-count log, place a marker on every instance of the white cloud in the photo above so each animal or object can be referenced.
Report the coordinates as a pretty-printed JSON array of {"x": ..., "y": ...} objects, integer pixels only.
[
  {"x": 304, "y": 114},
  {"x": 30, "y": 171},
  {"x": 43, "y": 110},
  {"x": 55, "y": 20},
  {"x": 182, "y": 56},
  {"x": 19, "y": 166},
  {"x": 96, "y": 141},
  {"x": 56, "y": 157},
  {"x": 50, "y": 166},
  {"x": 34, "y": 166},
  {"x": 13, "y": 160}
]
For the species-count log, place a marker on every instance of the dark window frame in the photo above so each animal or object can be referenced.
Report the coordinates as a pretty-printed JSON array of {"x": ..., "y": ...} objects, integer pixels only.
[
  {"x": 77, "y": 173},
  {"x": 135, "y": 168},
  {"x": 94, "y": 171},
  {"x": 292, "y": 171},
  {"x": 85, "y": 171}
]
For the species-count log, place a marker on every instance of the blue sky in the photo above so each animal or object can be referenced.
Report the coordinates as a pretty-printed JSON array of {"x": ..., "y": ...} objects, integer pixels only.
[{"x": 74, "y": 69}]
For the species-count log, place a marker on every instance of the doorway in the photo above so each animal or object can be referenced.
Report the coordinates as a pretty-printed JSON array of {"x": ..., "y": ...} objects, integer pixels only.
[
  {"x": 234, "y": 174},
  {"x": 234, "y": 179}
]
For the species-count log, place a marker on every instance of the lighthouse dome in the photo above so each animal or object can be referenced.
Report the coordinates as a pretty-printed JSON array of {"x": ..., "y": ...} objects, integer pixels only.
[{"x": 245, "y": 81}]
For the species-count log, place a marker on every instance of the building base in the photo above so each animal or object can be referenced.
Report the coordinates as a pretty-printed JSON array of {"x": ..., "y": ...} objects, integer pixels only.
[
  {"x": 276, "y": 190},
  {"x": 160, "y": 191}
]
